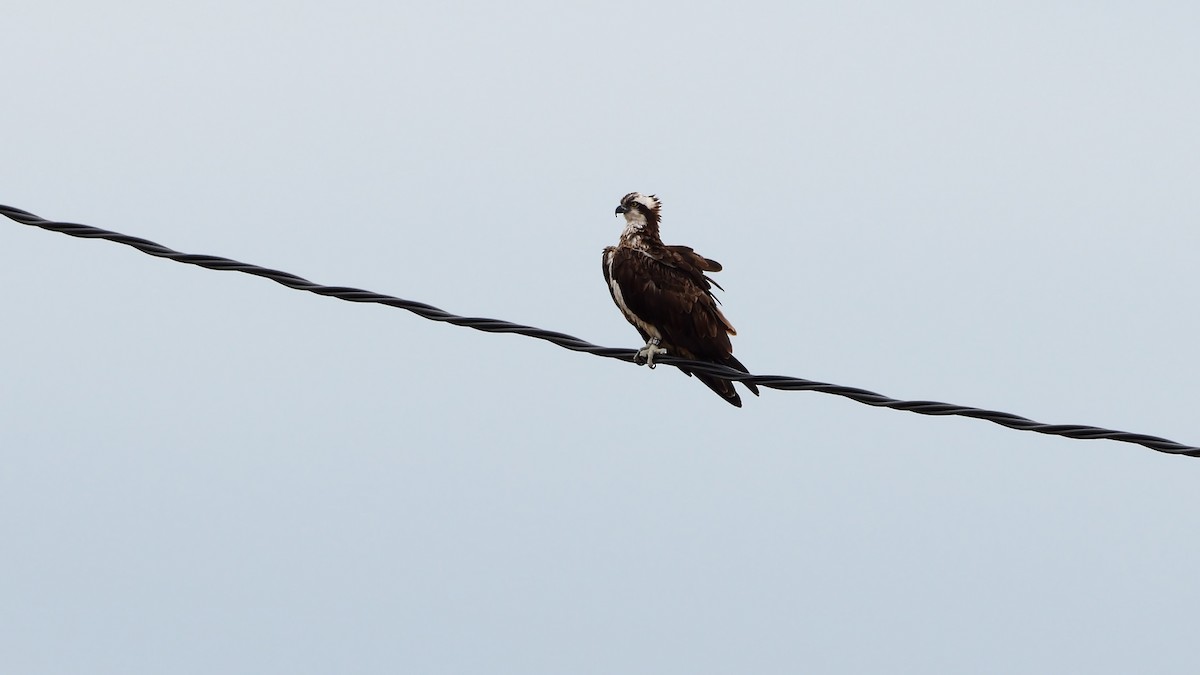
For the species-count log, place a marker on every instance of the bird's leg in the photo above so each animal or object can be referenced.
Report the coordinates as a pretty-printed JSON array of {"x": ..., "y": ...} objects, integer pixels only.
[{"x": 649, "y": 351}]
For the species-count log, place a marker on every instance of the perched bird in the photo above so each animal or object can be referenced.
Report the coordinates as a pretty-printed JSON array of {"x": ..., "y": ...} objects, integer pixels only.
[{"x": 663, "y": 291}]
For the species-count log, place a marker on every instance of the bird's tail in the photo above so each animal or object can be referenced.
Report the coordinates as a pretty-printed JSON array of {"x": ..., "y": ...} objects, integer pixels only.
[{"x": 724, "y": 388}]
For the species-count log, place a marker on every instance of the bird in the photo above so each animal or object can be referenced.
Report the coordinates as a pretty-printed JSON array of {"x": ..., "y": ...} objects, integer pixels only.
[{"x": 664, "y": 292}]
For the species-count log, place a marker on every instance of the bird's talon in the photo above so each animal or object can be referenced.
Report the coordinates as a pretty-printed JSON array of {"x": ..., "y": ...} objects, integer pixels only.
[{"x": 649, "y": 351}]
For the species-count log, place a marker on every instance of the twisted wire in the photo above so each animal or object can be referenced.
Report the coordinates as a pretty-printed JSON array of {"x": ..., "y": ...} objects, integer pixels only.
[{"x": 575, "y": 344}]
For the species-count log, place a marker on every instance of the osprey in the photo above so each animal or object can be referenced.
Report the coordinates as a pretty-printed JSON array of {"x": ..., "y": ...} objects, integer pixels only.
[{"x": 663, "y": 291}]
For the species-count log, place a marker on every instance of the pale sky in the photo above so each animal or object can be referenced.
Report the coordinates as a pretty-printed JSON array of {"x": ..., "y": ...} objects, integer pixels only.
[{"x": 205, "y": 472}]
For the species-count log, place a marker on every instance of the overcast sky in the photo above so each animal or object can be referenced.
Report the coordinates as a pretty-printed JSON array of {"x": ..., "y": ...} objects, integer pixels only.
[{"x": 205, "y": 472}]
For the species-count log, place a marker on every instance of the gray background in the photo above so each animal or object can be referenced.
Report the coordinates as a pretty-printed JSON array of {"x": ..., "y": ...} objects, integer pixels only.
[{"x": 205, "y": 472}]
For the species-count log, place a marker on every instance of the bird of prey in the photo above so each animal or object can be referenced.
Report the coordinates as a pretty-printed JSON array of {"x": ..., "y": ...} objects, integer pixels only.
[{"x": 663, "y": 291}]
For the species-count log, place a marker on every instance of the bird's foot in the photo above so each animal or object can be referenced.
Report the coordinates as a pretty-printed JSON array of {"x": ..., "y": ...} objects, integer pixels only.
[{"x": 649, "y": 352}]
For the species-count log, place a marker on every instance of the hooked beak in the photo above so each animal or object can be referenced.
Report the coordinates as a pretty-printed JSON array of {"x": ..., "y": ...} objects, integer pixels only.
[{"x": 620, "y": 209}]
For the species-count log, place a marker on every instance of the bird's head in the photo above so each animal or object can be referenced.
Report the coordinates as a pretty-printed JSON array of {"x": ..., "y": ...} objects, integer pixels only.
[{"x": 640, "y": 210}]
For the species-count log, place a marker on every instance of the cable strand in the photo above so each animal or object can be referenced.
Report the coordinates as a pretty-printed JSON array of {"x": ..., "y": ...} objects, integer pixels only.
[{"x": 426, "y": 311}]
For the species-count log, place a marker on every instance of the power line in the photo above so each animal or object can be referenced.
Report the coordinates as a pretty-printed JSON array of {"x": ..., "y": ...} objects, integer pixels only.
[{"x": 575, "y": 344}]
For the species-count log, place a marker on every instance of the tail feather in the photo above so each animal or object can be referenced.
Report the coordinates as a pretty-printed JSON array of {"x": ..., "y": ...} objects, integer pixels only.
[
  {"x": 734, "y": 363},
  {"x": 725, "y": 388}
]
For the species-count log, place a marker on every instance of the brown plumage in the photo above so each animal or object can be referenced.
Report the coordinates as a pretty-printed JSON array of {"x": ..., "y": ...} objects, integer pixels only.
[{"x": 663, "y": 291}]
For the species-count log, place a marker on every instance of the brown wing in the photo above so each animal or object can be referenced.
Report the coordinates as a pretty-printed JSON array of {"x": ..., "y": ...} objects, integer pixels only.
[
  {"x": 695, "y": 259},
  {"x": 668, "y": 291},
  {"x": 606, "y": 262},
  {"x": 667, "y": 294},
  {"x": 699, "y": 262}
]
